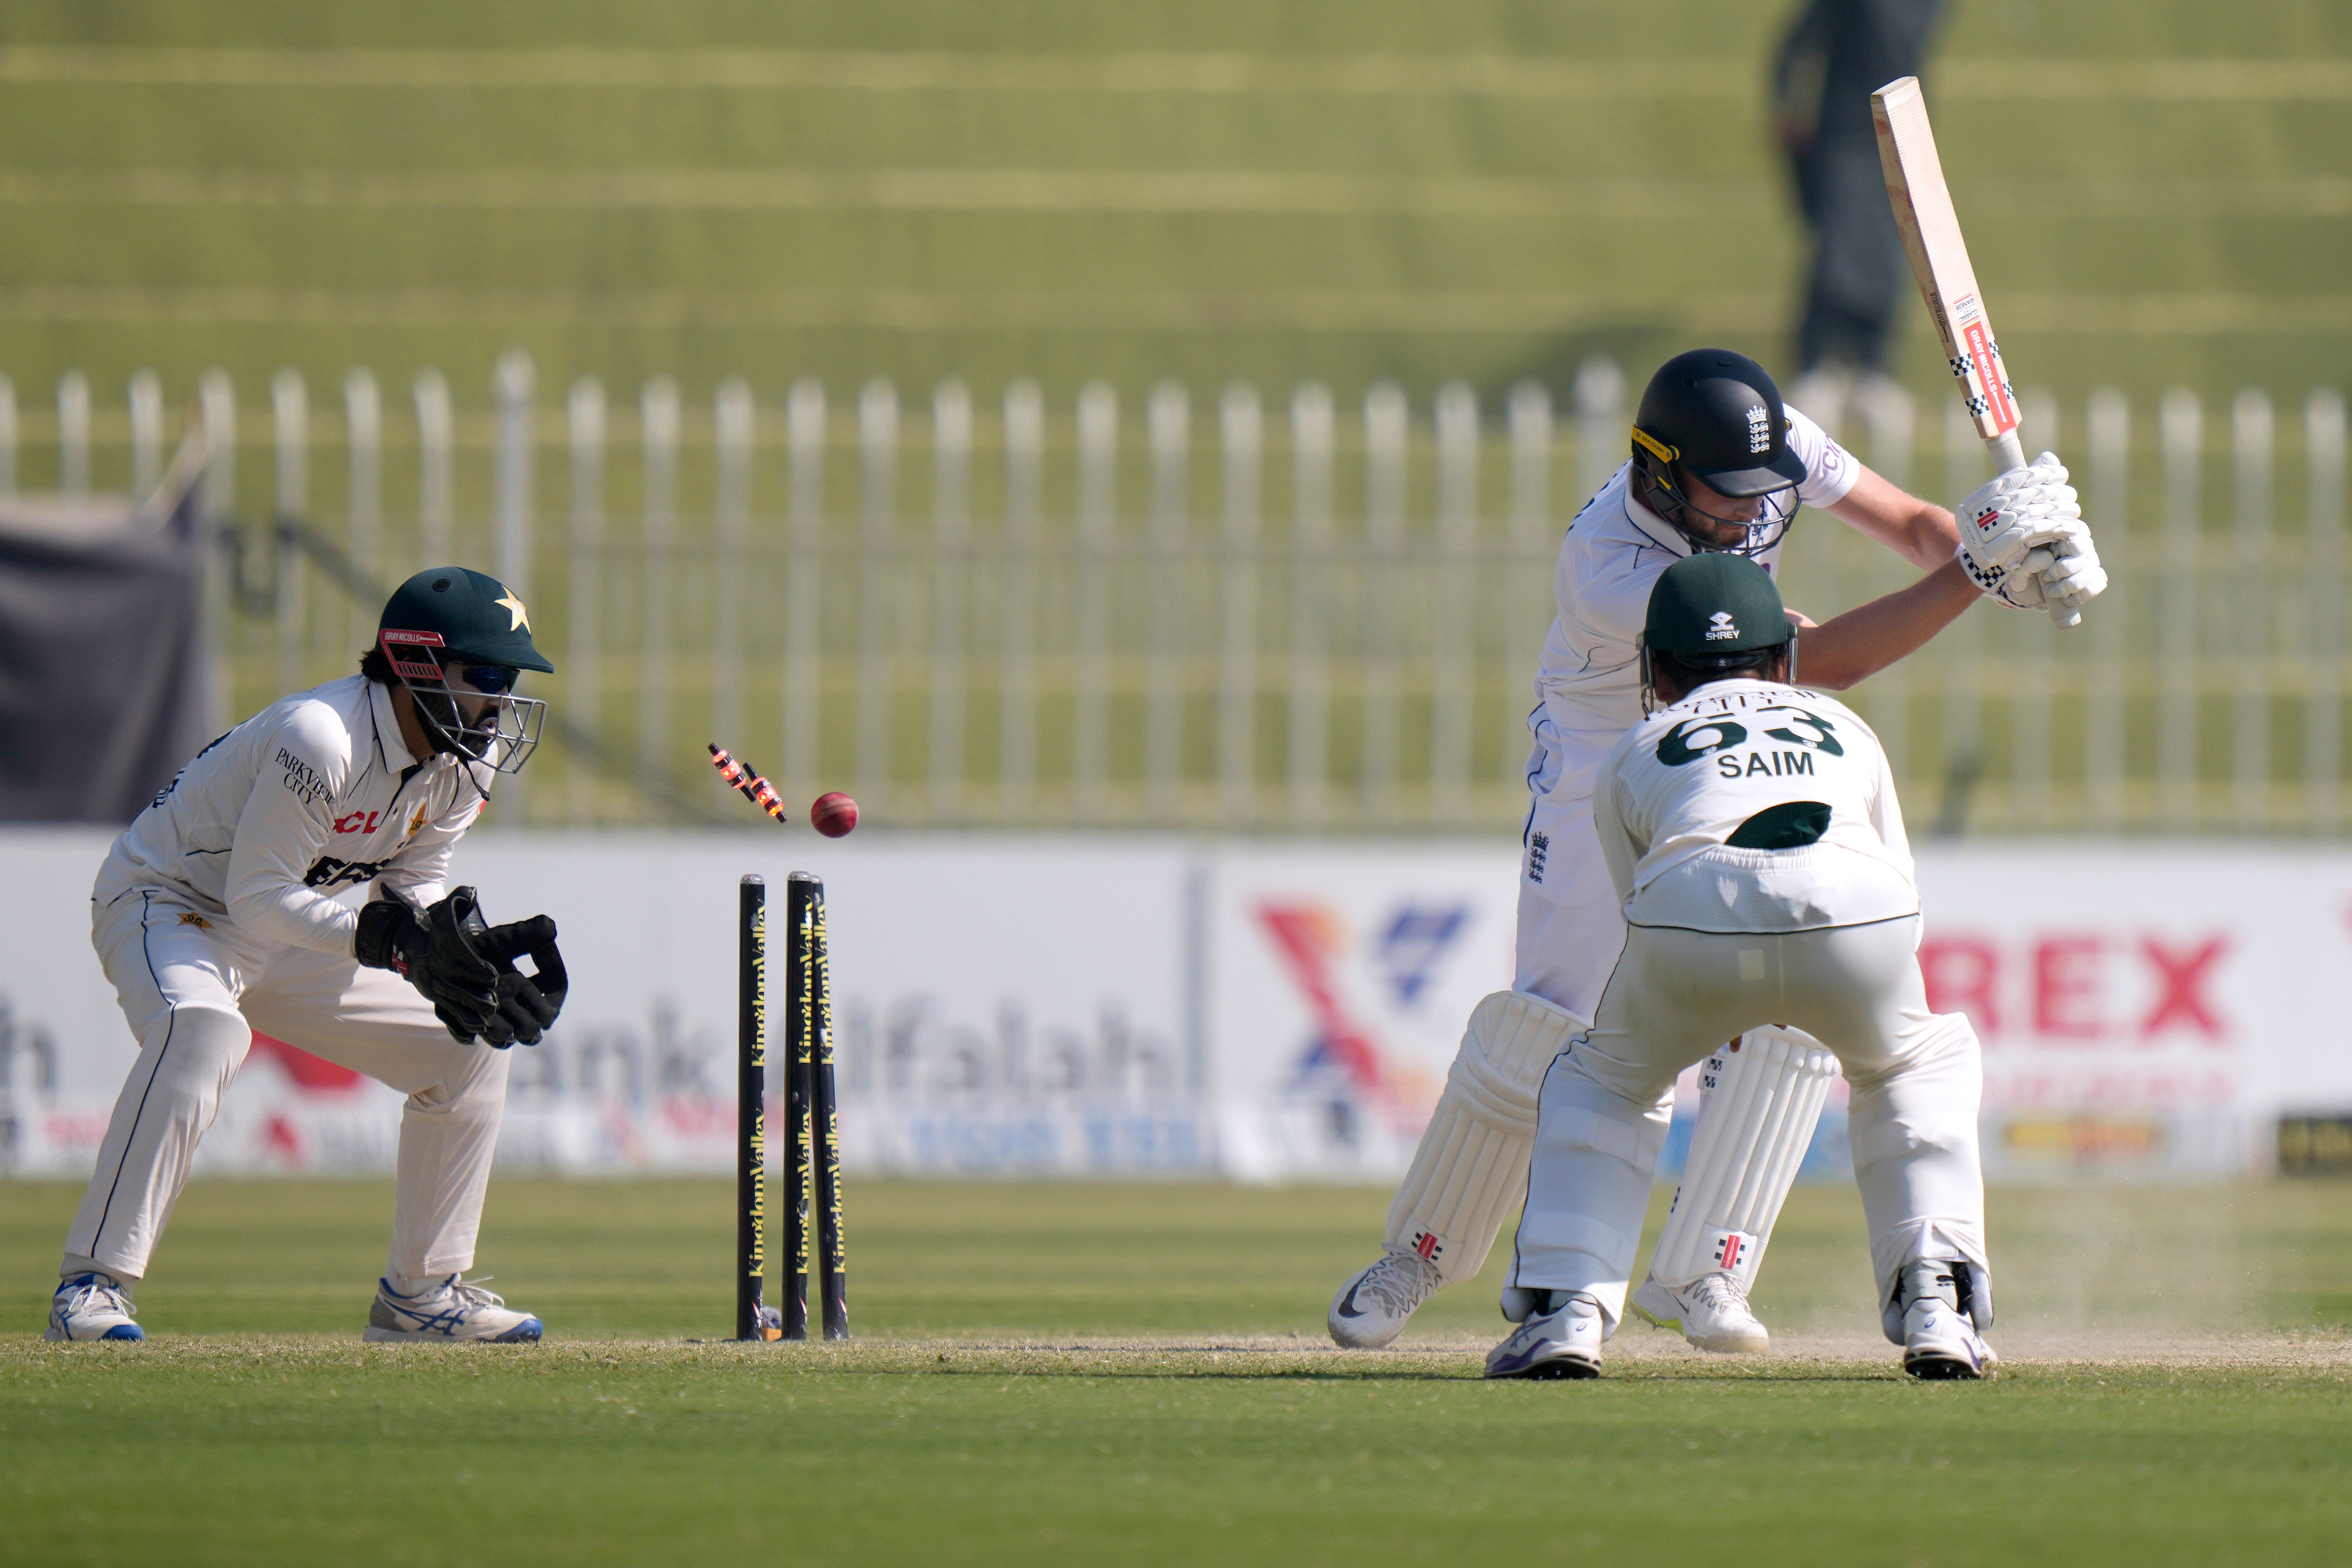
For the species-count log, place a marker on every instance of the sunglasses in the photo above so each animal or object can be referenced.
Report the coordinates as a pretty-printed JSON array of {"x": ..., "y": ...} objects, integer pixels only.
[{"x": 490, "y": 680}]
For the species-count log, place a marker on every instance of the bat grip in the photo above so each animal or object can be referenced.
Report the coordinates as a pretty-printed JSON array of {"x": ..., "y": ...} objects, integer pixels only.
[{"x": 2008, "y": 451}]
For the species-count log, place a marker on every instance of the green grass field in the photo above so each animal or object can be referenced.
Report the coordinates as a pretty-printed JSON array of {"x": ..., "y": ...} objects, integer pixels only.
[{"x": 1069, "y": 1374}]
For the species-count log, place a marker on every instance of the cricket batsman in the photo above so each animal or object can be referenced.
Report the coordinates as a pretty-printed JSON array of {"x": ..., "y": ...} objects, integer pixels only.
[
  {"x": 1751, "y": 834},
  {"x": 1719, "y": 464},
  {"x": 216, "y": 915}
]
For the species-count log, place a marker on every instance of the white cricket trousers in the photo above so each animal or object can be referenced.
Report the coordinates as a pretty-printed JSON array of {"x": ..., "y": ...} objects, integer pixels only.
[
  {"x": 1602, "y": 1116},
  {"x": 195, "y": 988}
]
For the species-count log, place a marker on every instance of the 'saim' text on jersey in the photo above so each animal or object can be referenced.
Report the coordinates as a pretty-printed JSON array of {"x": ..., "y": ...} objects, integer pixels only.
[{"x": 1779, "y": 764}]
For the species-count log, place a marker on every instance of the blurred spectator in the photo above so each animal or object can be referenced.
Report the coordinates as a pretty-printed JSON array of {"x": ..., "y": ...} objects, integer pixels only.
[{"x": 1836, "y": 54}]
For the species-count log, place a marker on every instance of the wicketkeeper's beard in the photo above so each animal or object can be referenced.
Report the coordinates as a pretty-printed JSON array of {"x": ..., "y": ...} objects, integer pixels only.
[
  {"x": 444, "y": 724},
  {"x": 502, "y": 737},
  {"x": 502, "y": 734}
]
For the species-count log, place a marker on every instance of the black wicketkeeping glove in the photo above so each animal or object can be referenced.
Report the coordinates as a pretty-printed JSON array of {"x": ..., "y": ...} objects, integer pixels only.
[
  {"x": 528, "y": 1003},
  {"x": 433, "y": 952}
]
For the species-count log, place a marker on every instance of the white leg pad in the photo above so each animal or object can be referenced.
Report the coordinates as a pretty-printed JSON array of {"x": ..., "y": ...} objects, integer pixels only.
[
  {"x": 1763, "y": 1096},
  {"x": 1470, "y": 1168}
]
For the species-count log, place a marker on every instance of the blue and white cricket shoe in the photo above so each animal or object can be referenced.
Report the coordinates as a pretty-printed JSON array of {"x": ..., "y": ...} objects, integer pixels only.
[
  {"x": 448, "y": 1312},
  {"x": 92, "y": 1307},
  {"x": 1562, "y": 1343}
]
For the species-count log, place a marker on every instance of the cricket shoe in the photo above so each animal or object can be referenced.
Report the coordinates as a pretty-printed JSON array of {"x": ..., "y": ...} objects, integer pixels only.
[
  {"x": 1564, "y": 1341},
  {"x": 1940, "y": 1341},
  {"x": 1711, "y": 1312},
  {"x": 92, "y": 1307},
  {"x": 451, "y": 1310},
  {"x": 1374, "y": 1307}
]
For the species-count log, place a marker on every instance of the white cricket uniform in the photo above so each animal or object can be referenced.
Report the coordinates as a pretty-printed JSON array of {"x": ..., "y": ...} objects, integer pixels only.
[
  {"x": 215, "y": 916},
  {"x": 1820, "y": 936},
  {"x": 1589, "y": 694}
]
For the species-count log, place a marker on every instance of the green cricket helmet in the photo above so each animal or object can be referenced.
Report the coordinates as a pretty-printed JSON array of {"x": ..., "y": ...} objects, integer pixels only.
[
  {"x": 448, "y": 621},
  {"x": 471, "y": 615},
  {"x": 1715, "y": 610}
]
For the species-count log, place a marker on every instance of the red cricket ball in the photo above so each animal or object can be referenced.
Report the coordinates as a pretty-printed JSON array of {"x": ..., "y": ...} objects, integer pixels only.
[{"x": 834, "y": 814}]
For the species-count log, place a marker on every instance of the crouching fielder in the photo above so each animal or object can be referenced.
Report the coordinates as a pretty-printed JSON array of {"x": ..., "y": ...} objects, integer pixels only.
[
  {"x": 1751, "y": 829},
  {"x": 1712, "y": 470},
  {"x": 216, "y": 915}
]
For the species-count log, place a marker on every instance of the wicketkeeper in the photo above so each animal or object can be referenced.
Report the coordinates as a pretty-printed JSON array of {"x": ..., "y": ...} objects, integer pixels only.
[
  {"x": 1751, "y": 834},
  {"x": 215, "y": 915},
  {"x": 1719, "y": 464}
]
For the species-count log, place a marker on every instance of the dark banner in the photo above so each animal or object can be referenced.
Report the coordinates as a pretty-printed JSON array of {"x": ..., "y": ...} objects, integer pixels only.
[{"x": 103, "y": 684}]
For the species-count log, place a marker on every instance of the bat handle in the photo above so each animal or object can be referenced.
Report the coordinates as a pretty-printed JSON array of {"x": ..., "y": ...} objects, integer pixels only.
[{"x": 2008, "y": 451}]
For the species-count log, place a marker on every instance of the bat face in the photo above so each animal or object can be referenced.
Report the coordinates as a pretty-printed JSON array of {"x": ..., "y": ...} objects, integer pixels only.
[{"x": 1940, "y": 258}]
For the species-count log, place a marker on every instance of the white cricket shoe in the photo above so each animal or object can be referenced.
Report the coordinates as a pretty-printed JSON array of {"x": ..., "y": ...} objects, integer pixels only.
[
  {"x": 452, "y": 1310},
  {"x": 1373, "y": 1307},
  {"x": 1940, "y": 1341},
  {"x": 1711, "y": 1312},
  {"x": 92, "y": 1307},
  {"x": 1562, "y": 1343}
]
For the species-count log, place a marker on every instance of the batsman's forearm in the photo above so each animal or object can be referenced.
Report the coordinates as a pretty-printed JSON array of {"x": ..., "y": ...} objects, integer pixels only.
[
  {"x": 1867, "y": 638},
  {"x": 1935, "y": 534}
]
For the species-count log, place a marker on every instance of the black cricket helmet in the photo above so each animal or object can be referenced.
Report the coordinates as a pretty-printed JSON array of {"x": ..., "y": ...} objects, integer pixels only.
[
  {"x": 1717, "y": 416},
  {"x": 445, "y": 620},
  {"x": 1713, "y": 613}
]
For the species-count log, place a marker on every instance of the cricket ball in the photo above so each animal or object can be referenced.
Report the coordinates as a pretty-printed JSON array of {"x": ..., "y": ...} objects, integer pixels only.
[{"x": 834, "y": 814}]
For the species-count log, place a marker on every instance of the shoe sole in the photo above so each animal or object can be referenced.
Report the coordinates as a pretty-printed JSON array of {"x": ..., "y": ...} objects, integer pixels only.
[
  {"x": 514, "y": 1336},
  {"x": 1346, "y": 1342},
  {"x": 1555, "y": 1370},
  {"x": 1948, "y": 1368}
]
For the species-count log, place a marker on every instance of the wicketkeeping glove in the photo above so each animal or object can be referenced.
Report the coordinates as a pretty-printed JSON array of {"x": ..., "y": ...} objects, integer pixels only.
[
  {"x": 430, "y": 951},
  {"x": 528, "y": 1003},
  {"x": 465, "y": 967}
]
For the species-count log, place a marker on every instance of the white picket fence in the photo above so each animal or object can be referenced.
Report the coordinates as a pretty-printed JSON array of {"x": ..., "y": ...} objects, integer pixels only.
[{"x": 1321, "y": 617}]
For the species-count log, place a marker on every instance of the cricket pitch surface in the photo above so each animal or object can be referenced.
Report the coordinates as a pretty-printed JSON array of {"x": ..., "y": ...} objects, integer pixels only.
[{"x": 1072, "y": 1374}]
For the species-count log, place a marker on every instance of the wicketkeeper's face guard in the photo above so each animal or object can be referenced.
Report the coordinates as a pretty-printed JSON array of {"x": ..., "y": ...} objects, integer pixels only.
[
  {"x": 1665, "y": 490},
  {"x": 467, "y": 709}
]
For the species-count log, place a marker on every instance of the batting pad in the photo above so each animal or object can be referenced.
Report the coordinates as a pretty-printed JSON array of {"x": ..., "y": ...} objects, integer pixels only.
[
  {"x": 1472, "y": 1166},
  {"x": 1763, "y": 1099}
]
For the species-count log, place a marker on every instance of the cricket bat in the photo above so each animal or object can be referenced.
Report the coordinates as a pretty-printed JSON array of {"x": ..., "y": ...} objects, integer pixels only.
[{"x": 1939, "y": 260}]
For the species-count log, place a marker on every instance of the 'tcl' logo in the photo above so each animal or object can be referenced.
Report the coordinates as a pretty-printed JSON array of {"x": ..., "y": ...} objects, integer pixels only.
[{"x": 357, "y": 822}]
